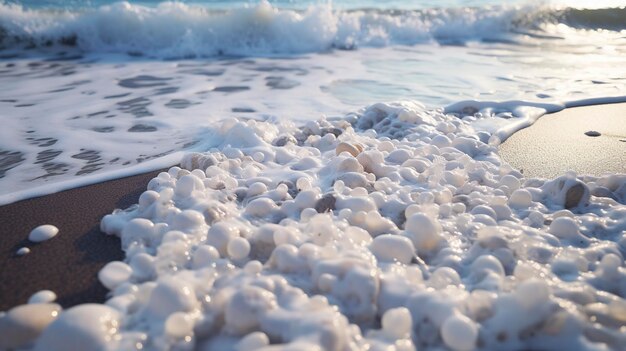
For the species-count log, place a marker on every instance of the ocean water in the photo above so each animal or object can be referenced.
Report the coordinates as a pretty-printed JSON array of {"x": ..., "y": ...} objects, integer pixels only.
[{"x": 93, "y": 87}]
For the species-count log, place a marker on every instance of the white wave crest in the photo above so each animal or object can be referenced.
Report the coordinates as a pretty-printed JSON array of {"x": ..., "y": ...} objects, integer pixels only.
[{"x": 177, "y": 30}]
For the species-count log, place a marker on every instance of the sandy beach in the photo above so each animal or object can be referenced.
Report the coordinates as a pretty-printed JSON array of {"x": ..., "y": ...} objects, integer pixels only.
[
  {"x": 557, "y": 143},
  {"x": 67, "y": 264}
]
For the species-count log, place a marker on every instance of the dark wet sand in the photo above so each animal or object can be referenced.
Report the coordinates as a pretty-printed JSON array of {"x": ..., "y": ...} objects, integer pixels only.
[
  {"x": 67, "y": 264},
  {"x": 557, "y": 143}
]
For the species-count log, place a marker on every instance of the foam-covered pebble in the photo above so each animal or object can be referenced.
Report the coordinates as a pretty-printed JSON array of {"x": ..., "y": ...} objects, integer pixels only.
[
  {"x": 21, "y": 325},
  {"x": 114, "y": 273},
  {"x": 393, "y": 248},
  {"x": 238, "y": 248},
  {"x": 396, "y": 322},
  {"x": 424, "y": 231},
  {"x": 91, "y": 326},
  {"x": 459, "y": 333},
  {"x": 564, "y": 227},
  {"x": 520, "y": 198}
]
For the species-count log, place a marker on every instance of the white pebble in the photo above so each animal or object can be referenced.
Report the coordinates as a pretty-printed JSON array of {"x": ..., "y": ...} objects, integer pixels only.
[
  {"x": 21, "y": 325},
  {"x": 22, "y": 251},
  {"x": 43, "y": 296},
  {"x": 169, "y": 296},
  {"x": 564, "y": 228},
  {"x": 252, "y": 341},
  {"x": 260, "y": 207},
  {"x": 178, "y": 325},
  {"x": 43, "y": 233},
  {"x": 114, "y": 273},
  {"x": 459, "y": 333},
  {"x": 84, "y": 327},
  {"x": 390, "y": 248},
  {"x": 521, "y": 198},
  {"x": 424, "y": 231},
  {"x": 397, "y": 323},
  {"x": 238, "y": 248},
  {"x": 204, "y": 256}
]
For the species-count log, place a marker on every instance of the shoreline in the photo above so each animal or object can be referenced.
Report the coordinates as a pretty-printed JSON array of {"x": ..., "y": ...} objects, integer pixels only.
[{"x": 67, "y": 264}]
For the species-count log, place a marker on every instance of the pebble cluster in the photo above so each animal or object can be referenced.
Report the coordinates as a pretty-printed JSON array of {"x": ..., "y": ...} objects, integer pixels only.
[{"x": 395, "y": 228}]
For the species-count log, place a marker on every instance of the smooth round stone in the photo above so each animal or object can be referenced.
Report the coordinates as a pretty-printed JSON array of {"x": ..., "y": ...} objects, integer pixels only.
[
  {"x": 178, "y": 325},
  {"x": 238, "y": 248},
  {"x": 397, "y": 322},
  {"x": 520, "y": 198},
  {"x": 170, "y": 296},
  {"x": 390, "y": 248},
  {"x": 23, "y": 251},
  {"x": 114, "y": 274},
  {"x": 253, "y": 341},
  {"x": 43, "y": 296},
  {"x": 423, "y": 230},
  {"x": 23, "y": 324},
  {"x": 459, "y": 333},
  {"x": 564, "y": 227},
  {"x": 43, "y": 233},
  {"x": 83, "y": 327}
]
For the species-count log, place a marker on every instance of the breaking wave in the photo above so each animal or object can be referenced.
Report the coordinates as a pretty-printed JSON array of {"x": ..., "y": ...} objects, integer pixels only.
[{"x": 178, "y": 30}]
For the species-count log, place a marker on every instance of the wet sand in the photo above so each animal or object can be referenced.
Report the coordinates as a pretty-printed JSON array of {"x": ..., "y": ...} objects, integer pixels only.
[
  {"x": 67, "y": 264},
  {"x": 557, "y": 143}
]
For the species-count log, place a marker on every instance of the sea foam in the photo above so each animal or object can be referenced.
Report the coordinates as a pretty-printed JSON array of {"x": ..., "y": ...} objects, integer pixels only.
[
  {"x": 434, "y": 246},
  {"x": 174, "y": 29}
]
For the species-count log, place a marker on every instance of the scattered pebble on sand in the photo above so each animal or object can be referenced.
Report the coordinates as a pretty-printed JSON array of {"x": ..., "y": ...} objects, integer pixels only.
[
  {"x": 23, "y": 251},
  {"x": 43, "y": 233},
  {"x": 592, "y": 133}
]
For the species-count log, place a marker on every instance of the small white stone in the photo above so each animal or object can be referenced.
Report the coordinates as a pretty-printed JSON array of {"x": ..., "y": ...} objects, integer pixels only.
[
  {"x": 114, "y": 274},
  {"x": 43, "y": 296},
  {"x": 521, "y": 198},
  {"x": 178, "y": 325},
  {"x": 252, "y": 341},
  {"x": 238, "y": 248},
  {"x": 22, "y": 324},
  {"x": 459, "y": 333},
  {"x": 390, "y": 248},
  {"x": 397, "y": 323},
  {"x": 43, "y": 233},
  {"x": 23, "y": 251},
  {"x": 564, "y": 228},
  {"x": 83, "y": 327}
]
